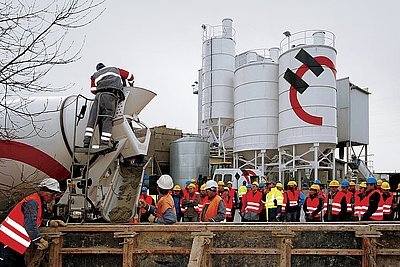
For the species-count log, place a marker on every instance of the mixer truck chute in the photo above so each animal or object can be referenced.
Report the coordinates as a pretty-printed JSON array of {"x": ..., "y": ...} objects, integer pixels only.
[{"x": 96, "y": 184}]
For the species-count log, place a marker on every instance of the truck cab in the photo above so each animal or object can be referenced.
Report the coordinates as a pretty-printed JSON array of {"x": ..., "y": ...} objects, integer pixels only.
[{"x": 237, "y": 176}]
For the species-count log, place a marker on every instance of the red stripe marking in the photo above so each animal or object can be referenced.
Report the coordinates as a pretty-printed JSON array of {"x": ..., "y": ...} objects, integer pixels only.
[
  {"x": 294, "y": 101},
  {"x": 33, "y": 157}
]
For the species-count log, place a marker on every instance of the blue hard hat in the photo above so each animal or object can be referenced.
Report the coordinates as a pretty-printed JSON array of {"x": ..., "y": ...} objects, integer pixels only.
[
  {"x": 371, "y": 180},
  {"x": 345, "y": 183},
  {"x": 261, "y": 185},
  {"x": 100, "y": 66},
  {"x": 144, "y": 189},
  {"x": 188, "y": 182},
  {"x": 317, "y": 182},
  {"x": 248, "y": 186}
]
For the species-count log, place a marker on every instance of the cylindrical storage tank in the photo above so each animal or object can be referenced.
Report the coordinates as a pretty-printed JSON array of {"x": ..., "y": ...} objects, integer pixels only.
[
  {"x": 218, "y": 66},
  {"x": 256, "y": 103},
  {"x": 189, "y": 158},
  {"x": 307, "y": 91}
]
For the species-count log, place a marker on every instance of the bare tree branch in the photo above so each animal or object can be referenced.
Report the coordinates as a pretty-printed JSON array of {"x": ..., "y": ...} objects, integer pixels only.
[{"x": 32, "y": 42}]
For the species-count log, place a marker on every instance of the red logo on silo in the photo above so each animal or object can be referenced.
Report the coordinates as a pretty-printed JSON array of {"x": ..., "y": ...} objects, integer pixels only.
[{"x": 297, "y": 84}]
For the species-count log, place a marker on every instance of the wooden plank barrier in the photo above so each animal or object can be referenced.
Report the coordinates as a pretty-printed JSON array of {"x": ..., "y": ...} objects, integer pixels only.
[{"x": 225, "y": 244}]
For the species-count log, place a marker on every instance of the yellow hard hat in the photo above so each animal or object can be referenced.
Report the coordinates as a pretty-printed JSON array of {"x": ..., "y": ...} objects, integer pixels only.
[
  {"x": 292, "y": 183},
  {"x": 379, "y": 182},
  {"x": 255, "y": 183},
  {"x": 315, "y": 187},
  {"x": 221, "y": 183},
  {"x": 352, "y": 183},
  {"x": 263, "y": 181},
  {"x": 334, "y": 183},
  {"x": 363, "y": 185},
  {"x": 193, "y": 180},
  {"x": 386, "y": 186},
  {"x": 203, "y": 187},
  {"x": 398, "y": 186},
  {"x": 176, "y": 188},
  {"x": 279, "y": 185},
  {"x": 191, "y": 185}
]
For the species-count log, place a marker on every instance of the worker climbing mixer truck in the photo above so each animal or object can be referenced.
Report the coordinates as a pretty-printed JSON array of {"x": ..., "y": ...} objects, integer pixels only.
[{"x": 84, "y": 178}]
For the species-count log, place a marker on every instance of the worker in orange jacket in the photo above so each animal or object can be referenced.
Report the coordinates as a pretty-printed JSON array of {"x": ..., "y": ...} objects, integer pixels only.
[{"x": 214, "y": 209}]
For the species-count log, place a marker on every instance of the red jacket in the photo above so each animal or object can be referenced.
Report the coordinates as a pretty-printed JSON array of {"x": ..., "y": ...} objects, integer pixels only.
[
  {"x": 229, "y": 205},
  {"x": 149, "y": 200},
  {"x": 12, "y": 229}
]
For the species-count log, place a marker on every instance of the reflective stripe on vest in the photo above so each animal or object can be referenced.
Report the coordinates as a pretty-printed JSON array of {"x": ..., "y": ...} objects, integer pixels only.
[
  {"x": 378, "y": 214},
  {"x": 187, "y": 197},
  {"x": 312, "y": 205},
  {"x": 387, "y": 205},
  {"x": 12, "y": 230},
  {"x": 253, "y": 201},
  {"x": 336, "y": 203}
]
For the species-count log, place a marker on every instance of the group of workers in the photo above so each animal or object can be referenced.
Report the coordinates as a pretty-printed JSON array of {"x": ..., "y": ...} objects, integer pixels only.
[{"x": 269, "y": 202}]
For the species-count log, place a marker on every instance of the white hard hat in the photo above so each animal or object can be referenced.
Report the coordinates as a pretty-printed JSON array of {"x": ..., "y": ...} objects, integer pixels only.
[
  {"x": 50, "y": 184},
  {"x": 165, "y": 182},
  {"x": 211, "y": 184}
]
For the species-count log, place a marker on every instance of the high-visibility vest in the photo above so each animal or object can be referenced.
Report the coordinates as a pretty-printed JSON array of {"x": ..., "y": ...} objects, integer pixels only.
[
  {"x": 12, "y": 230},
  {"x": 229, "y": 205},
  {"x": 349, "y": 195},
  {"x": 387, "y": 204},
  {"x": 232, "y": 193},
  {"x": 358, "y": 208},
  {"x": 148, "y": 200},
  {"x": 290, "y": 198},
  {"x": 163, "y": 204},
  {"x": 201, "y": 204},
  {"x": 212, "y": 208},
  {"x": 274, "y": 194},
  {"x": 312, "y": 205},
  {"x": 253, "y": 201},
  {"x": 336, "y": 202},
  {"x": 242, "y": 191},
  {"x": 378, "y": 214},
  {"x": 187, "y": 197}
]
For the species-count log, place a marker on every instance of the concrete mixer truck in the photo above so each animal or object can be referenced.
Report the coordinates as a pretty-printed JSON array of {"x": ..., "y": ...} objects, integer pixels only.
[{"x": 97, "y": 184}]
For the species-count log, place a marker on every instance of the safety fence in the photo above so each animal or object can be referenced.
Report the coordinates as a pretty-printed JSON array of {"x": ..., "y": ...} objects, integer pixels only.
[{"x": 225, "y": 244}]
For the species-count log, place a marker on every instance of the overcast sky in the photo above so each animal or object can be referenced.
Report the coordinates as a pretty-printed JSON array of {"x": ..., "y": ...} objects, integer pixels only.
[{"x": 160, "y": 43}]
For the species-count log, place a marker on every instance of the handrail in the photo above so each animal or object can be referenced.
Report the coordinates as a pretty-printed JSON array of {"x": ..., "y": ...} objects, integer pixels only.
[
  {"x": 217, "y": 31},
  {"x": 306, "y": 37}
]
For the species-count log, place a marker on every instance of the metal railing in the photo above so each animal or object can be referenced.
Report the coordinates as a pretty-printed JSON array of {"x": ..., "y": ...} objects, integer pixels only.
[
  {"x": 218, "y": 31},
  {"x": 307, "y": 37}
]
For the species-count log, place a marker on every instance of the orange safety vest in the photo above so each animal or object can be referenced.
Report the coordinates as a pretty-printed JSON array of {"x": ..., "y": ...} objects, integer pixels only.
[
  {"x": 387, "y": 205},
  {"x": 253, "y": 202},
  {"x": 229, "y": 205},
  {"x": 163, "y": 204},
  {"x": 201, "y": 204},
  {"x": 212, "y": 209},
  {"x": 336, "y": 205},
  {"x": 12, "y": 229},
  {"x": 148, "y": 200},
  {"x": 312, "y": 205},
  {"x": 187, "y": 197},
  {"x": 378, "y": 214}
]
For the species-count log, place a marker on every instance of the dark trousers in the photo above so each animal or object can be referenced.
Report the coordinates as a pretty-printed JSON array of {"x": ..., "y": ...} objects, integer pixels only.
[
  {"x": 103, "y": 109},
  {"x": 313, "y": 219},
  {"x": 291, "y": 216},
  {"x": 10, "y": 258},
  {"x": 272, "y": 212}
]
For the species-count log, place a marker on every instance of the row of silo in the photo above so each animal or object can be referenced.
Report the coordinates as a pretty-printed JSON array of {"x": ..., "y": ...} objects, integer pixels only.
[{"x": 282, "y": 101}]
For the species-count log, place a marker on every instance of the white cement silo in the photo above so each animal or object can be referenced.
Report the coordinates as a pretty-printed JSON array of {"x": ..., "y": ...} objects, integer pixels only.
[
  {"x": 307, "y": 101},
  {"x": 256, "y": 106},
  {"x": 218, "y": 66}
]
